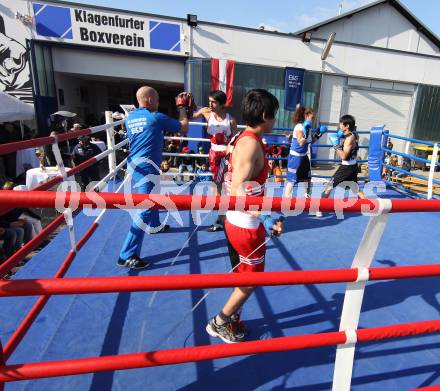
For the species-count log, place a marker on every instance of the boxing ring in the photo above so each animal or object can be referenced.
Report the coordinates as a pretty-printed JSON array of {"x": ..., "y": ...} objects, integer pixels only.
[
  {"x": 432, "y": 163},
  {"x": 88, "y": 320}
]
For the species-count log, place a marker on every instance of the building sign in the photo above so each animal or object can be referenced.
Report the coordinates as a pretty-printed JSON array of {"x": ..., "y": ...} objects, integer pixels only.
[
  {"x": 108, "y": 29},
  {"x": 293, "y": 86},
  {"x": 15, "y": 77}
]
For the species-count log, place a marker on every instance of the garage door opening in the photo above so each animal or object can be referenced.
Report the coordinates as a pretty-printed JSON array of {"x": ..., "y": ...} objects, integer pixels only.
[{"x": 90, "y": 96}]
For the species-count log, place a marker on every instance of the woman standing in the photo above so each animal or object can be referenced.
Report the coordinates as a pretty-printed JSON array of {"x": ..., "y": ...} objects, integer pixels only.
[{"x": 298, "y": 164}]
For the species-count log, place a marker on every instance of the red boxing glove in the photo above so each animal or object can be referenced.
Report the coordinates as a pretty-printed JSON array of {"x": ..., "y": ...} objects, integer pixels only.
[
  {"x": 186, "y": 100},
  {"x": 191, "y": 105},
  {"x": 182, "y": 99}
]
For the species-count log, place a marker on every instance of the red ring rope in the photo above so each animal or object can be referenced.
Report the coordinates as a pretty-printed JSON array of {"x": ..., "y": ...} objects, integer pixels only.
[
  {"x": 89, "y": 285},
  {"x": 40, "y": 141},
  {"x": 199, "y": 353},
  {"x": 46, "y": 199}
]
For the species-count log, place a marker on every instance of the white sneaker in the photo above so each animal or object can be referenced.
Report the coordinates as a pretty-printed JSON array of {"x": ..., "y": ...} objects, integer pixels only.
[{"x": 318, "y": 213}]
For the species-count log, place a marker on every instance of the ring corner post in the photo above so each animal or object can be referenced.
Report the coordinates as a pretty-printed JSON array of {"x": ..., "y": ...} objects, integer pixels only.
[
  {"x": 110, "y": 131},
  {"x": 375, "y": 153}
]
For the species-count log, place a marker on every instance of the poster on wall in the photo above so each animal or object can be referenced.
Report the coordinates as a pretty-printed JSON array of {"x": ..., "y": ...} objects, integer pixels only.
[
  {"x": 293, "y": 87},
  {"x": 15, "y": 76}
]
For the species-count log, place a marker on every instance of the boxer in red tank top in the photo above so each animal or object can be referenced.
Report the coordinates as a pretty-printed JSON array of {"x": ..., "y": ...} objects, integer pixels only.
[{"x": 245, "y": 232}]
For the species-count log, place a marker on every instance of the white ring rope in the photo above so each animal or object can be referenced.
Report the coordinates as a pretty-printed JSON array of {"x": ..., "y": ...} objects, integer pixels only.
[
  {"x": 108, "y": 151},
  {"x": 100, "y": 128},
  {"x": 185, "y": 173},
  {"x": 204, "y": 155},
  {"x": 101, "y": 184}
]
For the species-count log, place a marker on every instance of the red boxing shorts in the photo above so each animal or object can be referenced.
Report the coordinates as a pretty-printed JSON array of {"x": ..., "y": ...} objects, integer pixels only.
[
  {"x": 215, "y": 158},
  {"x": 242, "y": 243}
]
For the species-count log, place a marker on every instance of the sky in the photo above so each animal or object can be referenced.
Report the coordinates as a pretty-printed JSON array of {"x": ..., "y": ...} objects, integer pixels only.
[{"x": 282, "y": 15}]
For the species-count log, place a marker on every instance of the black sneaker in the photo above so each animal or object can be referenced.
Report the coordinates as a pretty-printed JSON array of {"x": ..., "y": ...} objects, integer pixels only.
[
  {"x": 165, "y": 228},
  {"x": 238, "y": 326},
  {"x": 224, "y": 332},
  {"x": 215, "y": 228},
  {"x": 133, "y": 263}
]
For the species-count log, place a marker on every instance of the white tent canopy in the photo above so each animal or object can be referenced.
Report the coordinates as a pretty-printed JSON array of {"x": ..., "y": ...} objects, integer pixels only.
[{"x": 12, "y": 109}]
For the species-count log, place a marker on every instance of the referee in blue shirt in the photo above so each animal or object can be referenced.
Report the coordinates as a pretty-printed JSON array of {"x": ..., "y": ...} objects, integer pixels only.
[{"x": 145, "y": 130}]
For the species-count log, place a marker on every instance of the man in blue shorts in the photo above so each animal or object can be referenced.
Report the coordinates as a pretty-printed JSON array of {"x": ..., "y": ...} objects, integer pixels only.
[{"x": 145, "y": 130}]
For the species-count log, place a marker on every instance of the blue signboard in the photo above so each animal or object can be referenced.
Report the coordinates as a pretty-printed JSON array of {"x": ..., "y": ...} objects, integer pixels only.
[
  {"x": 164, "y": 36},
  {"x": 293, "y": 86},
  {"x": 53, "y": 21}
]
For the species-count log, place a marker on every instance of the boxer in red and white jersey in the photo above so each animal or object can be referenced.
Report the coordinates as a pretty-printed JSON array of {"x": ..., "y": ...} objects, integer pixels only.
[
  {"x": 245, "y": 231},
  {"x": 221, "y": 127}
]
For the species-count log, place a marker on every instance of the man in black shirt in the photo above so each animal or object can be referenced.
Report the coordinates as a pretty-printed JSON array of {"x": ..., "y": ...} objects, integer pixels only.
[{"x": 83, "y": 151}]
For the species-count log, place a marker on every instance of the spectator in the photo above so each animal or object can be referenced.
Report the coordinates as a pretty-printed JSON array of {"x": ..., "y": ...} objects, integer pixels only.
[
  {"x": 164, "y": 166},
  {"x": 389, "y": 146},
  {"x": 392, "y": 161},
  {"x": 82, "y": 152},
  {"x": 14, "y": 231},
  {"x": 25, "y": 214},
  {"x": 173, "y": 146},
  {"x": 385, "y": 169},
  {"x": 13, "y": 219},
  {"x": 277, "y": 171},
  {"x": 285, "y": 151},
  {"x": 13, "y": 239},
  {"x": 271, "y": 165},
  {"x": 186, "y": 162},
  {"x": 201, "y": 160},
  {"x": 9, "y": 134},
  {"x": 73, "y": 142},
  {"x": 202, "y": 173},
  {"x": 41, "y": 156},
  {"x": 274, "y": 171},
  {"x": 406, "y": 165}
]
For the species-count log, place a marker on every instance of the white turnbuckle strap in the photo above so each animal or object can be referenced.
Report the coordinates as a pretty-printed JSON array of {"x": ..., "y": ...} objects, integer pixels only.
[{"x": 354, "y": 294}]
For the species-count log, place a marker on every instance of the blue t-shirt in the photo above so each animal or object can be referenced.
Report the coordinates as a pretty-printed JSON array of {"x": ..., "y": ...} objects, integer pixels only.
[{"x": 145, "y": 130}]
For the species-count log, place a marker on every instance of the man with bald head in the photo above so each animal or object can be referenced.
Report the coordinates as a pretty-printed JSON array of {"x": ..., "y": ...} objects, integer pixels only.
[{"x": 145, "y": 130}]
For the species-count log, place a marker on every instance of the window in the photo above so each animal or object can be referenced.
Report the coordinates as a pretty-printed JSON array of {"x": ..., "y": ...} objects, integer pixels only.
[
  {"x": 426, "y": 122},
  {"x": 249, "y": 76}
]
